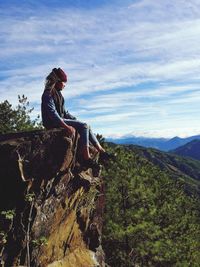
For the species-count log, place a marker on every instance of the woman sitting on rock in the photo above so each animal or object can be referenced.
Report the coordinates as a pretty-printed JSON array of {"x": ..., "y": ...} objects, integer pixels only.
[{"x": 54, "y": 114}]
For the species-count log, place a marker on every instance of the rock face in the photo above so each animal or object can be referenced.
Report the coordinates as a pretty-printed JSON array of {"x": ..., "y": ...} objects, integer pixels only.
[{"x": 50, "y": 213}]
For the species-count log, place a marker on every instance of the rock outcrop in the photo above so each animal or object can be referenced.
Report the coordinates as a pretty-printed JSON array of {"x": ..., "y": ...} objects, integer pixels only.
[{"x": 50, "y": 213}]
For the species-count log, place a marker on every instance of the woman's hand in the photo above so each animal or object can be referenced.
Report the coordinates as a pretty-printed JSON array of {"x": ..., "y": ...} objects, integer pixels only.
[{"x": 70, "y": 130}]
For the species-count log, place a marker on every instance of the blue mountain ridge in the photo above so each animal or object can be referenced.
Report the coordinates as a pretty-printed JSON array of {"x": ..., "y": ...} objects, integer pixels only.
[
  {"x": 164, "y": 144},
  {"x": 191, "y": 149}
]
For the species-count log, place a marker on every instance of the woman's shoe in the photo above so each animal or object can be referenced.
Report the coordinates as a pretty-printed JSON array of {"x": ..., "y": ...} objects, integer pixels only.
[{"x": 105, "y": 156}]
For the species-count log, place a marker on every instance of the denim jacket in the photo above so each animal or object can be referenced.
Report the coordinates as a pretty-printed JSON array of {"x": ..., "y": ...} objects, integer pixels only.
[{"x": 50, "y": 115}]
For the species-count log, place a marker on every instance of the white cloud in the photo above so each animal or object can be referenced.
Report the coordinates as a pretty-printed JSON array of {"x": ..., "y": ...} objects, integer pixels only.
[{"x": 109, "y": 56}]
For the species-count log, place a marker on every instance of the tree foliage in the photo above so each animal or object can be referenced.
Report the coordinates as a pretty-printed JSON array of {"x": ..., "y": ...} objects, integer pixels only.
[
  {"x": 149, "y": 219},
  {"x": 18, "y": 118}
]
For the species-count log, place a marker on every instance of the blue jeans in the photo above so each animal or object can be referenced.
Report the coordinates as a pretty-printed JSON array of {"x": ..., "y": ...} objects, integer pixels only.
[{"x": 84, "y": 131}]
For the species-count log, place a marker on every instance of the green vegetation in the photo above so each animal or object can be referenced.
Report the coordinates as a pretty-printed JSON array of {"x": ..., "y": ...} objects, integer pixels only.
[
  {"x": 42, "y": 241},
  {"x": 150, "y": 219},
  {"x": 18, "y": 118},
  {"x": 8, "y": 214},
  {"x": 30, "y": 197},
  {"x": 87, "y": 200},
  {"x": 3, "y": 237},
  {"x": 181, "y": 168}
]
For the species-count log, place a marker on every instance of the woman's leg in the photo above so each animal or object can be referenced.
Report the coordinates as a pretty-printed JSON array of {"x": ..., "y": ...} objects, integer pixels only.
[
  {"x": 94, "y": 141},
  {"x": 92, "y": 137},
  {"x": 83, "y": 130},
  {"x": 86, "y": 134}
]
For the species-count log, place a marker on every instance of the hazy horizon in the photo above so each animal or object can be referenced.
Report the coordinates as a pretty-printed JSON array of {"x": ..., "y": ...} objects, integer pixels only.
[{"x": 115, "y": 136}]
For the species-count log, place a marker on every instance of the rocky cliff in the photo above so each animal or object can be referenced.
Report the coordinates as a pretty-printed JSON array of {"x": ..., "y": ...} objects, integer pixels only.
[{"x": 50, "y": 208}]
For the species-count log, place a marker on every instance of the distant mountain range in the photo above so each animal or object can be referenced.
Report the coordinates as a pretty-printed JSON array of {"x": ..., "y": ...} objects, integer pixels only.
[
  {"x": 191, "y": 149},
  {"x": 163, "y": 144}
]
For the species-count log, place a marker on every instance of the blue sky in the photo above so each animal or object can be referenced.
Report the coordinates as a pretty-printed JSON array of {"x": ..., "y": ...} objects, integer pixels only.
[{"x": 133, "y": 66}]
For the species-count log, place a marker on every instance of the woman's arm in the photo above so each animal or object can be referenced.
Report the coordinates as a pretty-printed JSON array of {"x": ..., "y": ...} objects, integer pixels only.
[
  {"x": 70, "y": 130},
  {"x": 51, "y": 114},
  {"x": 49, "y": 110}
]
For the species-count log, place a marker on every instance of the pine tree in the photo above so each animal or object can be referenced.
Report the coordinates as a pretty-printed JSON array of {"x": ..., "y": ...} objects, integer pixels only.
[
  {"x": 18, "y": 118},
  {"x": 149, "y": 219}
]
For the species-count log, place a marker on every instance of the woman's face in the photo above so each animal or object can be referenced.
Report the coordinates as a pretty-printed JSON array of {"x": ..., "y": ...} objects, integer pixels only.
[{"x": 60, "y": 85}]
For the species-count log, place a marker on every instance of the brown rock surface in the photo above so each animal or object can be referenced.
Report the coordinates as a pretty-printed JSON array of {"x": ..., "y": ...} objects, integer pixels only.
[{"x": 50, "y": 215}]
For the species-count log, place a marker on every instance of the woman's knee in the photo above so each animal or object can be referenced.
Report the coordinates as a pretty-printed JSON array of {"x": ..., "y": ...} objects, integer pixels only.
[{"x": 82, "y": 127}]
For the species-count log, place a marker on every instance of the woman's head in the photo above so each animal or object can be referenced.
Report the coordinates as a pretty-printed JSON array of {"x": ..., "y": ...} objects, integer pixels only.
[
  {"x": 60, "y": 74},
  {"x": 56, "y": 80}
]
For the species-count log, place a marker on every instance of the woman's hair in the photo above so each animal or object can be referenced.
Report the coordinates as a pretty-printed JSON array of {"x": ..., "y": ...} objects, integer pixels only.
[
  {"x": 50, "y": 83},
  {"x": 55, "y": 76}
]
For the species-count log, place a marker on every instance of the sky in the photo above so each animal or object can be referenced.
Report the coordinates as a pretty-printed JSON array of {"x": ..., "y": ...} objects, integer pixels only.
[{"x": 133, "y": 66}]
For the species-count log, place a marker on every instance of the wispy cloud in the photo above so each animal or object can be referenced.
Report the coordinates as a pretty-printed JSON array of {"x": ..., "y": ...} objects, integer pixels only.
[{"x": 125, "y": 62}]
